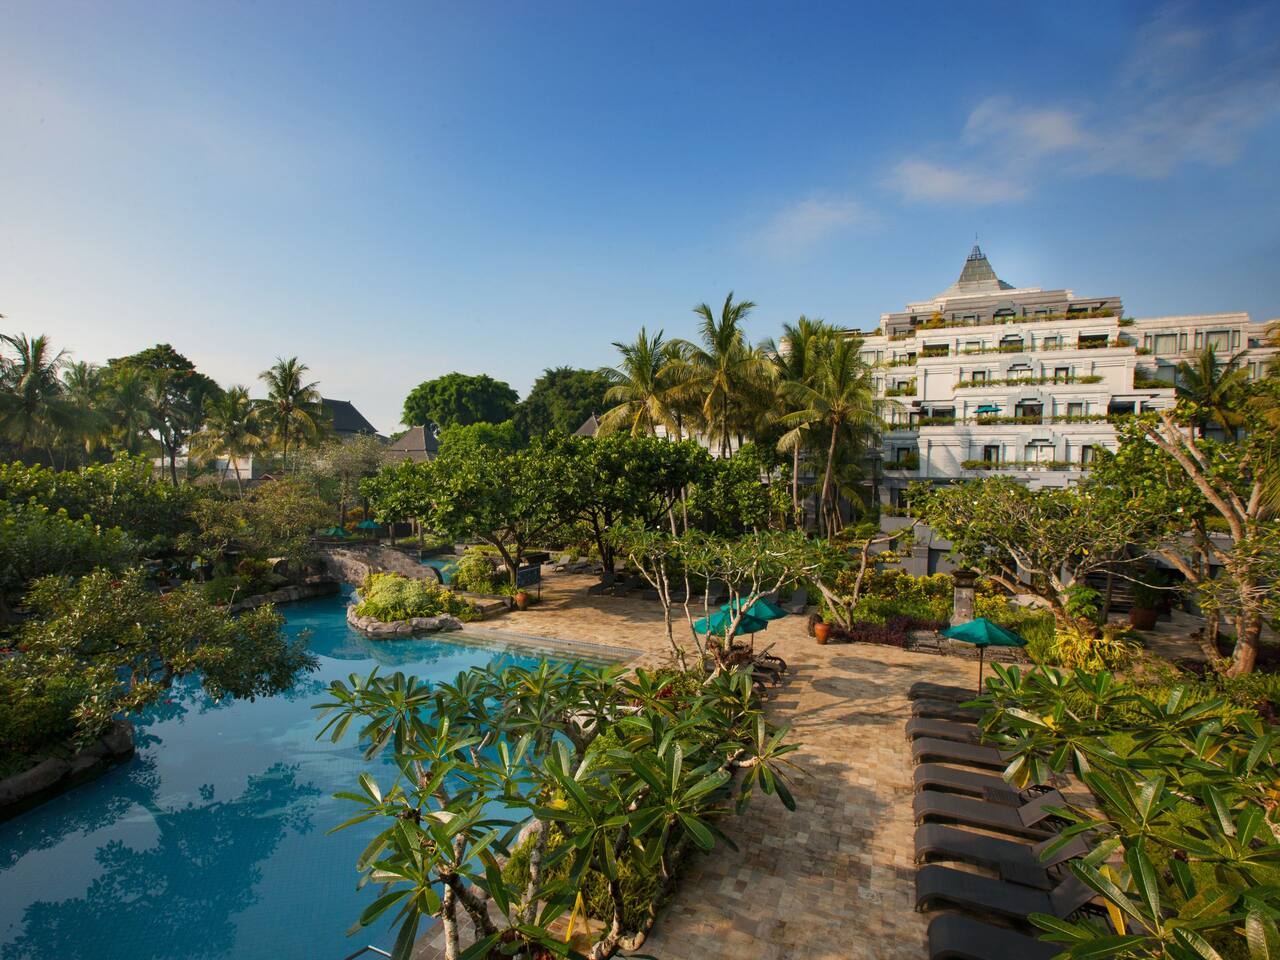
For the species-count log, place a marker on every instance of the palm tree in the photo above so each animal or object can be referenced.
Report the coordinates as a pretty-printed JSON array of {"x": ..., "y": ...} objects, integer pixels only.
[
  {"x": 293, "y": 407},
  {"x": 641, "y": 388},
  {"x": 83, "y": 386},
  {"x": 728, "y": 375},
  {"x": 128, "y": 406},
  {"x": 232, "y": 428},
  {"x": 795, "y": 358},
  {"x": 841, "y": 399},
  {"x": 1216, "y": 390},
  {"x": 33, "y": 405}
]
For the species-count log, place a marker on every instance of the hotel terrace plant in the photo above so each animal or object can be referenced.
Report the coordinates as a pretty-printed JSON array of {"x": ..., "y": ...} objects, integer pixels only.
[{"x": 603, "y": 784}]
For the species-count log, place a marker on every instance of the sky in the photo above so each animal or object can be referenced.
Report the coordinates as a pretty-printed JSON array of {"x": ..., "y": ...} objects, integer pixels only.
[{"x": 393, "y": 191}]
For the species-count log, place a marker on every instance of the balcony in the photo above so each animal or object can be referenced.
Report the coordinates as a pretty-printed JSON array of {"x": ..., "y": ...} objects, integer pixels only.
[
  {"x": 1029, "y": 465},
  {"x": 907, "y": 461},
  {"x": 907, "y": 389},
  {"x": 1028, "y": 381}
]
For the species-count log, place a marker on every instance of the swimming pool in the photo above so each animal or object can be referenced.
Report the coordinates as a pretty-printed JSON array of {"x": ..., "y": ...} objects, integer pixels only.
[
  {"x": 211, "y": 842},
  {"x": 443, "y": 564}
]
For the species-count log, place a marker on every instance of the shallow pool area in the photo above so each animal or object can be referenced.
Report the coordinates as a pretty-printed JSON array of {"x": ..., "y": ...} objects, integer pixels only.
[
  {"x": 443, "y": 564},
  {"x": 211, "y": 842}
]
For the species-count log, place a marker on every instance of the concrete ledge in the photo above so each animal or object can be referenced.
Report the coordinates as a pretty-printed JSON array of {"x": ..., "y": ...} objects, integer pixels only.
[
  {"x": 300, "y": 591},
  {"x": 47, "y": 779}
]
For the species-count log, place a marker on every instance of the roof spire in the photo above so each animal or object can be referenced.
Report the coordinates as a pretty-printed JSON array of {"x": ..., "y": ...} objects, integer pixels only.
[{"x": 976, "y": 252}]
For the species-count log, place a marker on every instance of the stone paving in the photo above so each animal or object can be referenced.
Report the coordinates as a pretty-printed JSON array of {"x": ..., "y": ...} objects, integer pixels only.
[{"x": 835, "y": 879}]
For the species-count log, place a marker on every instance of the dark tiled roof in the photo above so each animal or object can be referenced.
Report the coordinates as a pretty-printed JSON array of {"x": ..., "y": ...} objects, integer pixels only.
[
  {"x": 345, "y": 418},
  {"x": 588, "y": 428},
  {"x": 418, "y": 443}
]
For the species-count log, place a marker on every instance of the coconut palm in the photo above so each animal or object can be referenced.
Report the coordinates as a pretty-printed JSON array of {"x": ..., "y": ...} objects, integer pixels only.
[
  {"x": 641, "y": 388},
  {"x": 83, "y": 388},
  {"x": 840, "y": 400},
  {"x": 128, "y": 406},
  {"x": 33, "y": 403},
  {"x": 293, "y": 408},
  {"x": 795, "y": 358},
  {"x": 1215, "y": 390},
  {"x": 729, "y": 377},
  {"x": 232, "y": 429}
]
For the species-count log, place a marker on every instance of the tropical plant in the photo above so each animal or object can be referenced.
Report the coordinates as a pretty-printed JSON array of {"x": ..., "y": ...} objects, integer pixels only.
[
  {"x": 128, "y": 407},
  {"x": 1214, "y": 390},
  {"x": 605, "y": 782},
  {"x": 390, "y": 596},
  {"x": 459, "y": 399},
  {"x": 642, "y": 389},
  {"x": 293, "y": 409},
  {"x": 33, "y": 403},
  {"x": 561, "y": 400},
  {"x": 85, "y": 393},
  {"x": 232, "y": 430}
]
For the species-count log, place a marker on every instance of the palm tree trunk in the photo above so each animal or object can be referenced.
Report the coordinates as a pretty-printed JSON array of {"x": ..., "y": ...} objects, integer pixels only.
[
  {"x": 826, "y": 479},
  {"x": 795, "y": 482}
]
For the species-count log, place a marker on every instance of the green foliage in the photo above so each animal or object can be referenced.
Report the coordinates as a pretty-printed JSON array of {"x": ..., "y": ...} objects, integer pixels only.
[
  {"x": 624, "y": 776},
  {"x": 36, "y": 542},
  {"x": 127, "y": 644},
  {"x": 457, "y": 398},
  {"x": 561, "y": 400},
  {"x": 389, "y": 596},
  {"x": 276, "y": 519},
  {"x": 731, "y": 496},
  {"x": 475, "y": 571},
  {"x": 1036, "y": 626},
  {"x": 890, "y": 594},
  {"x": 37, "y": 715},
  {"x": 1185, "y": 781}
]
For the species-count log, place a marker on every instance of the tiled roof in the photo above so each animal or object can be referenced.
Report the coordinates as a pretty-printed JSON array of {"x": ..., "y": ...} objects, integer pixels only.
[
  {"x": 418, "y": 443},
  {"x": 588, "y": 428},
  {"x": 977, "y": 277},
  {"x": 345, "y": 418}
]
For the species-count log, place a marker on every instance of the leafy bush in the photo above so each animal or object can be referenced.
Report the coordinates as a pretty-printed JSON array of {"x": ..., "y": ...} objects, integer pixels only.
[
  {"x": 37, "y": 715},
  {"x": 476, "y": 571},
  {"x": 36, "y": 541},
  {"x": 1033, "y": 625},
  {"x": 389, "y": 596}
]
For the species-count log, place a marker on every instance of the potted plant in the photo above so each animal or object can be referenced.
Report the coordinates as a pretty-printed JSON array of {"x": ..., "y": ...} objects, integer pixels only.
[
  {"x": 1147, "y": 600},
  {"x": 522, "y": 599},
  {"x": 822, "y": 631}
]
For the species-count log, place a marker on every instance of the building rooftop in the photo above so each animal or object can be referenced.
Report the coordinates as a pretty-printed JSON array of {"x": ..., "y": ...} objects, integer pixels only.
[
  {"x": 345, "y": 418},
  {"x": 588, "y": 428},
  {"x": 418, "y": 444},
  {"x": 976, "y": 278}
]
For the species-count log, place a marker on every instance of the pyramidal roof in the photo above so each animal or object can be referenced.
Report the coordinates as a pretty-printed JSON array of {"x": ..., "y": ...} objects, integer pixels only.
[{"x": 976, "y": 278}]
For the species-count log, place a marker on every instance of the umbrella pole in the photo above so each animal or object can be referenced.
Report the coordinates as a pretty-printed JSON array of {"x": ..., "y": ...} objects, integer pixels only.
[{"x": 982, "y": 653}]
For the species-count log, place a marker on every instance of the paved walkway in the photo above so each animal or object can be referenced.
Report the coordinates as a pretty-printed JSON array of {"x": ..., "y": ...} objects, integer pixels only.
[{"x": 835, "y": 879}]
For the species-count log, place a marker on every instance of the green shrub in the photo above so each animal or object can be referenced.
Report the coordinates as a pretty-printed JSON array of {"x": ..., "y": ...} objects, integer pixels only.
[
  {"x": 36, "y": 718},
  {"x": 476, "y": 572},
  {"x": 1033, "y": 625},
  {"x": 389, "y": 596}
]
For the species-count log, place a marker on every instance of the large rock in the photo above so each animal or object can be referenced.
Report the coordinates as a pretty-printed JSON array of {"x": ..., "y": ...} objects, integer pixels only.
[
  {"x": 51, "y": 777},
  {"x": 378, "y": 629}
]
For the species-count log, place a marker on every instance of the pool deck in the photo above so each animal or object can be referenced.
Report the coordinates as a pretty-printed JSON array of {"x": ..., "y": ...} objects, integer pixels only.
[{"x": 833, "y": 880}]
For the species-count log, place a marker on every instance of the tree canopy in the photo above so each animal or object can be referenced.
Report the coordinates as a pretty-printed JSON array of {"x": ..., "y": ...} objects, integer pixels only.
[
  {"x": 561, "y": 400},
  {"x": 459, "y": 398}
]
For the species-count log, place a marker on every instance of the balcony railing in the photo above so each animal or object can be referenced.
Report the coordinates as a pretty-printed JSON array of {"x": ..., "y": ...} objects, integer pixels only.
[
  {"x": 941, "y": 323},
  {"x": 987, "y": 420},
  {"x": 908, "y": 461},
  {"x": 901, "y": 390},
  {"x": 1023, "y": 465},
  {"x": 1028, "y": 381}
]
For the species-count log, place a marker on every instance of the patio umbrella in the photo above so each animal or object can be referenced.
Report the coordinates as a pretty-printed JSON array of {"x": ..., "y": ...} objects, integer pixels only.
[
  {"x": 762, "y": 609},
  {"x": 982, "y": 633},
  {"x": 370, "y": 525},
  {"x": 721, "y": 621},
  {"x": 334, "y": 532}
]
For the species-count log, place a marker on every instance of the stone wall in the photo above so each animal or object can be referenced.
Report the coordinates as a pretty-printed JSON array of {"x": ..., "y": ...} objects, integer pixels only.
[
  {"x": 53, "y": 776},
  {"x": 318, "y": 587},
  {"x": 381, "y": 629},
  {"x": 352, "y": 562}
]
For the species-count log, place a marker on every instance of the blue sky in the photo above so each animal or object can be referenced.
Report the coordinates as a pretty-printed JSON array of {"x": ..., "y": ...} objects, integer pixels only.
[{"x": 394, "y": 191}]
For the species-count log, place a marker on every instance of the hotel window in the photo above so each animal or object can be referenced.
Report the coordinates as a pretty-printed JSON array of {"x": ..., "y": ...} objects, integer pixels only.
[
  {"x": 978, "y": 376},
  {"x": 973, "y": 346},
  {"x": 1061, "y": 374},
  {"x": 1086, "y": 453},
  {"x": 1220, "y": 340},
  {"x": 1165, "y": 344},
  {"x": 1039, "y": 451},
  {"x": 1235, "y": 339},
  {"x": 1051, "y": 343},
  {"x": 1182, "y": 342},
  {"x": 1075, "y": 409},
  {"x": 991, "y": 453}
]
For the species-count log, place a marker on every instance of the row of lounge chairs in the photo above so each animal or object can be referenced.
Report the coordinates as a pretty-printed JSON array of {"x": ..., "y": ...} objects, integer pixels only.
[{"x": 965, "y": 814}]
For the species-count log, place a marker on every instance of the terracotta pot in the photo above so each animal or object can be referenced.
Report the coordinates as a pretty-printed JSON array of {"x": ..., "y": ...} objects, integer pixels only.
[
  {"x": 1143, "y": 618},
  {"x": 522, "y": 600},
  {"x": 821, "y": 631}
]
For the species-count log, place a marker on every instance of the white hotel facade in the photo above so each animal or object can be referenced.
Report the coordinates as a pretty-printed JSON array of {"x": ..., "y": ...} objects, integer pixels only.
[{"x": 991, "y": 379}]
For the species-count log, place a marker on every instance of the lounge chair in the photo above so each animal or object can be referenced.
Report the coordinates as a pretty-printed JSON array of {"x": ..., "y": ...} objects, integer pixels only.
[
  {"x": 934, "y": 776},
  {"x": 953, "y": 936},
  {"x": 944, "y": 710},
  {"x": 938, "y": 886},
  {"x": 918, "y": 727},
  {"x": 1015, "y": 862},
  {"x": 925, "y": 689},
  {"x": 1029, "y": 820},
  {"x": 933, "y": 750},
  {"x": 798, "y": 603}
]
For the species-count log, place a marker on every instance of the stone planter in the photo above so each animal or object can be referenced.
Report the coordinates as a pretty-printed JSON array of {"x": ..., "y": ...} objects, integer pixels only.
[
  {"x": 384, "y": 630},
  {"x": 51, "y": 777}
]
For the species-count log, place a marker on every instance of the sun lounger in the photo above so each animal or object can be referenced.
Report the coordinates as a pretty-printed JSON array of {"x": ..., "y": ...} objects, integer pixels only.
[
  {"x": 1014, "y": 862},
  {"x": 798, "y": 603},
  {"x": 938, "y": 886},
  {"x": 933, "y": 750},
  {"x": 935, "y": 776},
  {"x": 953, "y": 936},
  {"x": 918, "y": 727},
  {"x": 1029, "y": 820},
  {"x": 944, "y": 710},
  {"x": 924, "y": 689}
]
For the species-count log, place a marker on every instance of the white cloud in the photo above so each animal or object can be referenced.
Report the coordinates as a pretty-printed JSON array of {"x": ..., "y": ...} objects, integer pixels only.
[
  {"x": 799, "y": 226},
  {"x": 1185, "y": 94}
]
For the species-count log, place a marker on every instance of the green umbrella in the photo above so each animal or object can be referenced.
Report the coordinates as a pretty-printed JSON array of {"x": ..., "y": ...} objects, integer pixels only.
[
  {"x": 762, "y": 609},
  {"x": 720, "y": 623},
  {"x": 368, "y": 525},
  {"x": 982, "y": 633},
  {"x": 333, "y": 532}
]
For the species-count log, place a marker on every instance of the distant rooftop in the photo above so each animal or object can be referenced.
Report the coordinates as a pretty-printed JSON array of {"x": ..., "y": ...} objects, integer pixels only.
[
  {"x": 345, "y": 418},
  {"x": 977, "y": 278},
  {"x": 417, "y": 444},
  {"x": 588, "y": 428}
]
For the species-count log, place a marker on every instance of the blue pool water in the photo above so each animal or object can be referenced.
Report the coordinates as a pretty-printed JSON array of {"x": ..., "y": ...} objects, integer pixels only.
[
  {"x": 445, "y": 565},
  {"x": 211, "y": 842}
]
